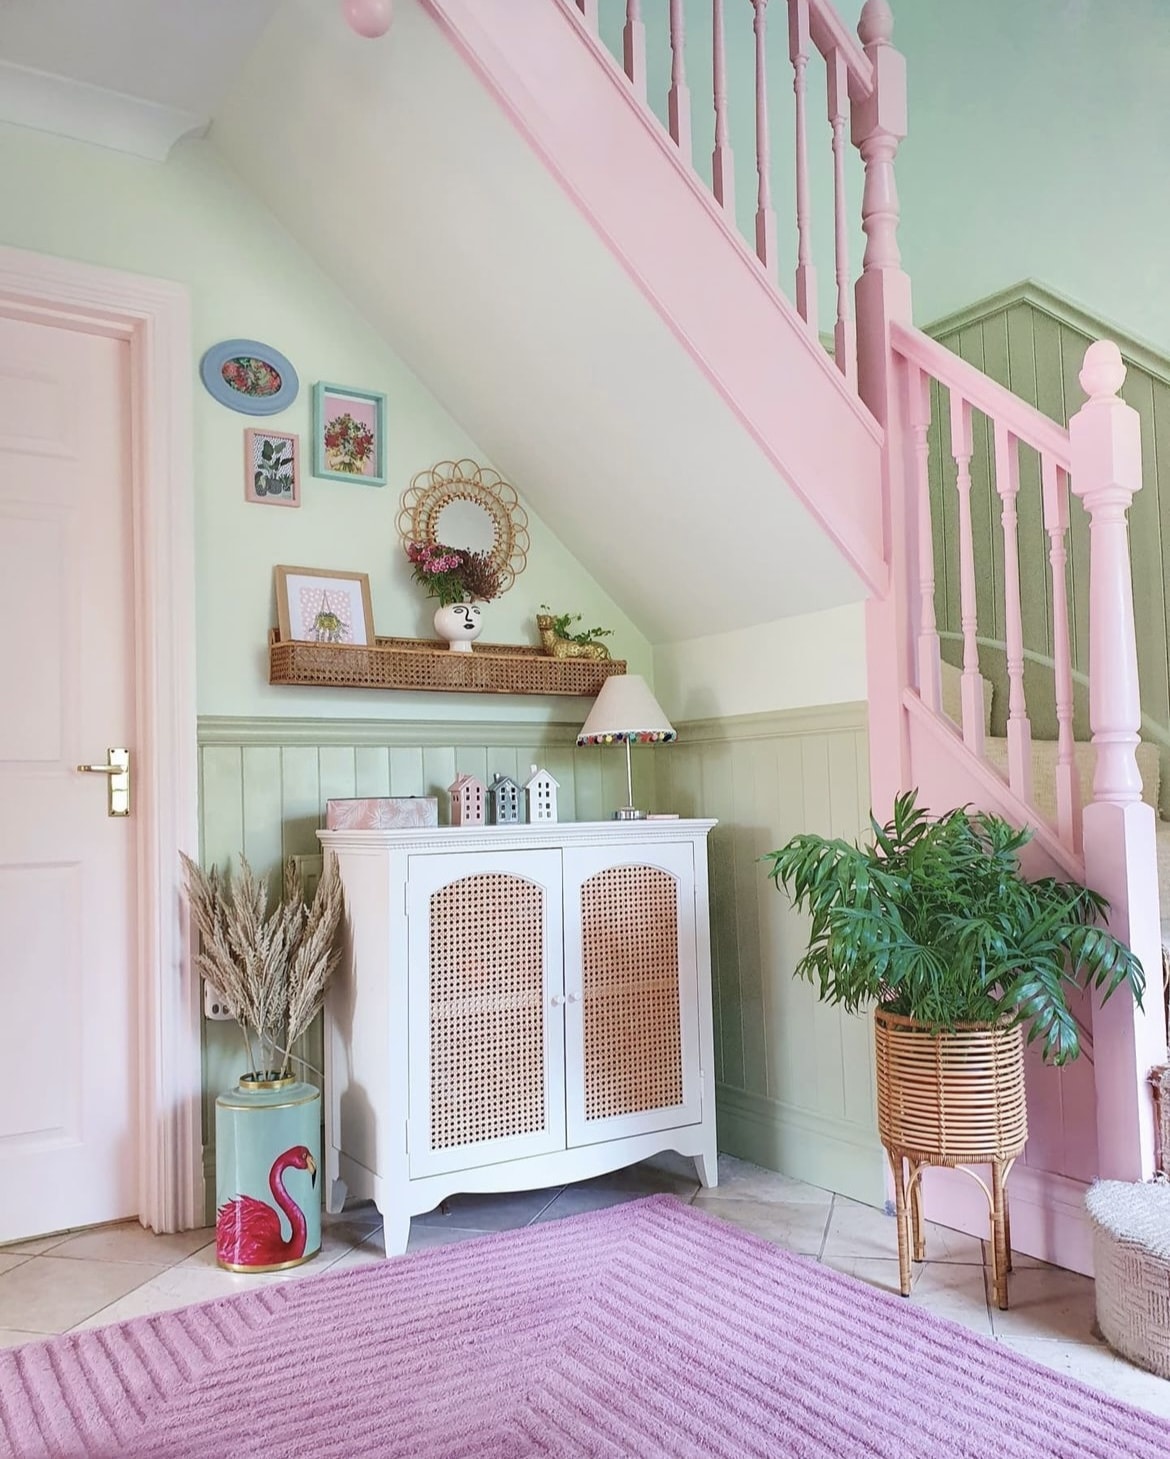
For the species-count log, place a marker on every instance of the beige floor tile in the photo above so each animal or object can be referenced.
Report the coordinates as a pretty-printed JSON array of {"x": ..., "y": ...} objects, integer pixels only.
[
  {"x": 741, "y": 1181},
  {"x": 128, "y": 1241},
  {"x": 799, "y": 1227},
  {"x": 36, "y": 1247},
  {"x": 857, "y": 1230},
  {"x": 46, "y": 1294},
  {"x": 943, "y": 1244},
  {"x": 11, "y": 1338},
  {"x": 955, "y": 1291},
  {"x": 501, "y": 1212},
  {"x": 425, "y": 1238},
  {"x": 880, "y": 1272},
  {"x": 659, "y": 1175},
  {"x": 575, "y": 1200},
  {"x": 1048, "y": 1303},
  {"x": 9, "y": 1259},
  {"x": 1101, "y": 1368},
  {"x": 178, "y": 1287}
]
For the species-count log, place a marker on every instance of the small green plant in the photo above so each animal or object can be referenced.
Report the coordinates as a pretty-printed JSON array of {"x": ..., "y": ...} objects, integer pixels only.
[
  {"x": 935, "y": 921},
  {"x": 562, "y": 627}
]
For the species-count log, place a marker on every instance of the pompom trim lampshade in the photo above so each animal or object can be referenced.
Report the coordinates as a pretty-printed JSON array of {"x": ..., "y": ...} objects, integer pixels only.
[{"x": 625, "y": 712}]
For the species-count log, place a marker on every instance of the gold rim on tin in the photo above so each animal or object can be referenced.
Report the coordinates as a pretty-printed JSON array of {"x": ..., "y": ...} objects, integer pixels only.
[
  {"x": 270, "y": 1079},
  {"x": 280, "y": 1266}
]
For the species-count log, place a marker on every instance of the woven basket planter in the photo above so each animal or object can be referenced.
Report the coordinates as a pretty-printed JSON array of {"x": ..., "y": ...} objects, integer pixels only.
[
  {"x": 1131, "y": 1262},
  {"x": 954, "y": 1098}
]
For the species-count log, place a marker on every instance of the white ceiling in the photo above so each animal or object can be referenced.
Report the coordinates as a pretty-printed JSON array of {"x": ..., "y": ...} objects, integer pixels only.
[{"x": 394, "y": 168}]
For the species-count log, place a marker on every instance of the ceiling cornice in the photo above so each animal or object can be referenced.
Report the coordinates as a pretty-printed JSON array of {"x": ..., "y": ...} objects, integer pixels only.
[{"x": 69, "y": 108}]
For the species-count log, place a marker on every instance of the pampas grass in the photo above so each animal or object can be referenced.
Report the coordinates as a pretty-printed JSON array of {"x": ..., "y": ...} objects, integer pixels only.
[{"x": 272, "y": 968}]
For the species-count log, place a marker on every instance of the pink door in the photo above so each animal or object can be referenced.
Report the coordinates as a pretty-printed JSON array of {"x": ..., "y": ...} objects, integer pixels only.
[{"x": 68, "y": 1137}]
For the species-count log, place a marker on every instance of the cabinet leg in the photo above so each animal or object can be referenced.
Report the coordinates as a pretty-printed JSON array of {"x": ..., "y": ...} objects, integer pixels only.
[
  {"x": 336, "y": 1189},
  {"x": 395, "y": 1232},
  {"x": 707, "y": 1167}
]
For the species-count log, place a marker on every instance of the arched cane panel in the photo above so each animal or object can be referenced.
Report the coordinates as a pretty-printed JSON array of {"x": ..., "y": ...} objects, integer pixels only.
[
  {"x": 630, "y": 966},
  {"x": 486, "y": 1010}
]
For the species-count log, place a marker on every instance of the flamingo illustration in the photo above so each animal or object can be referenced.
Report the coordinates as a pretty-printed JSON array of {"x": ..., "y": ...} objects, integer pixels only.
[{"x": 247, "y": 1231}]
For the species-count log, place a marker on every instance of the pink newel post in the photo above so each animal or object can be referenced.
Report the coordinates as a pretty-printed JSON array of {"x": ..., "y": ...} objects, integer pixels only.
[
  {"x": 1120, "y": 855},
  {"x": 878, "y": 124}
]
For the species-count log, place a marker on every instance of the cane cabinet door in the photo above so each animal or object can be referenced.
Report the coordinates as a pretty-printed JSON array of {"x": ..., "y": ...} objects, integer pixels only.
[
  {"x": 631, "y": 991},
  {"x": 485, "y": 1009}
]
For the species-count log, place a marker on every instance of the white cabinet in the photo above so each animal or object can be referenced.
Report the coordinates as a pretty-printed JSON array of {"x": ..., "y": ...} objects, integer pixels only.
[{"x": 518, "y": 1007}]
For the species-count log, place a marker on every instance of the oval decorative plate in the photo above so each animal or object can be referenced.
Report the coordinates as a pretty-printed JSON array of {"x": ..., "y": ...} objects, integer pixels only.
[{"x": 249, "y": 376}]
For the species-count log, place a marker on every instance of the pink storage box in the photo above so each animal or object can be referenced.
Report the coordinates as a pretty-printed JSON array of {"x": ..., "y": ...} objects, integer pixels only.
[{"x": 383, "y": 813}]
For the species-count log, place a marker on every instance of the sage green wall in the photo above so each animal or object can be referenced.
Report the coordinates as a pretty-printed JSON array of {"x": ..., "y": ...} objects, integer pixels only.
[
  {"x": 1032, "y": 341},
  {"x": 1036, "y": 144},
  {"x": 795, "y": 1080},
  {"x": 190, "y": 219}
]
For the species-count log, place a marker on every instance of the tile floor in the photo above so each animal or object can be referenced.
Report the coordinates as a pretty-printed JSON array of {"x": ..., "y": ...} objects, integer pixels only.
[{"x": 89, "y": 1278}]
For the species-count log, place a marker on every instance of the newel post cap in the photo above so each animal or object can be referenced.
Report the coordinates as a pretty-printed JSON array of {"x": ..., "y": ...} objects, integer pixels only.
[
  {"x": 1105, "y": 434},
  {"x": 884, "y": 109}
]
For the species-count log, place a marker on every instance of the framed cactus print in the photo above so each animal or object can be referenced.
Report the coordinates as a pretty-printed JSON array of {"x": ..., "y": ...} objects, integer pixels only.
[
  {"x": 318, "y": 605},
  {"x": 349, "y": 434},
  {"x": 272, "y": 468}
]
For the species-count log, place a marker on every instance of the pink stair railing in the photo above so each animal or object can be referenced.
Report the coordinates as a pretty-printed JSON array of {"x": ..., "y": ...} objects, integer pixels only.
[{"x": 814, "y": 27}]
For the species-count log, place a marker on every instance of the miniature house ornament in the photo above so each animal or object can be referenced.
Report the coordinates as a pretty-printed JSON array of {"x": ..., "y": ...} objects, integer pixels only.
[
  {"x": 504, "y": 801},
  {"x": 542, "y": 796},
  {"x": 468, "y": 800}
]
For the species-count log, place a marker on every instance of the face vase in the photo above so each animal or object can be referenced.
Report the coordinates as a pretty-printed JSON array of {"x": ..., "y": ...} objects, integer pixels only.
[{"x": 460, "y": 624}]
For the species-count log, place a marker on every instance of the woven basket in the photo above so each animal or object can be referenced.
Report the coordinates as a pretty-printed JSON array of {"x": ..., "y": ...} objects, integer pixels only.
[
  {"x": 951, "y": 1098},
  {"x": 416, "y": 663}
]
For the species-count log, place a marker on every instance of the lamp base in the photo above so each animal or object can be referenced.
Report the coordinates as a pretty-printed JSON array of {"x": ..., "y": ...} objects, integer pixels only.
[{"x": 628, "y": 813}]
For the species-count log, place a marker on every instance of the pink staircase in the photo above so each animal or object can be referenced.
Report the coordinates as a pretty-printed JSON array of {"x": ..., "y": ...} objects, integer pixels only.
[{"x": 848, "y": 432}]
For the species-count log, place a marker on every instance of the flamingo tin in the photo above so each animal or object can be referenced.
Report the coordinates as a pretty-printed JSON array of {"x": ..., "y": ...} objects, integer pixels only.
[{"x": 268, "y": 1150}]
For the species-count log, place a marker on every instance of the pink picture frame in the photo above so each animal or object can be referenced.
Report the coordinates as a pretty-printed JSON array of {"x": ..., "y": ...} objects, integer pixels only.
[{"x": 272, "y": 468}]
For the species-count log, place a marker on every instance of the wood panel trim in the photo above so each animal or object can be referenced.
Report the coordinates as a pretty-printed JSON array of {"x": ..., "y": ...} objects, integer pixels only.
[
  {"x": 1065, "y": 311},
  {"x": 153, "y": 316},
  {"x": 776, "y": 724},
  {"x": 386, "y": 733}
]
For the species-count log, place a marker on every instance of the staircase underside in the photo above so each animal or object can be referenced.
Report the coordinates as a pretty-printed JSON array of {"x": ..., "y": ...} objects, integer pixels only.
[{"x": 467, "y": 256}]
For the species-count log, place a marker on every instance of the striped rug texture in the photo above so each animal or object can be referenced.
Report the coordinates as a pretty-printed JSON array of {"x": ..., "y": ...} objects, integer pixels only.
[{"x": 646, "y": 1330}]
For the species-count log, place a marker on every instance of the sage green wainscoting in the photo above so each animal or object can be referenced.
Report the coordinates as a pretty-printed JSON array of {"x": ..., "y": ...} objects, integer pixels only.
[
  {"x": 794, "y": 1078},
  {"x": 263, "y": 784},
  {"x": 1033, "y": 341}
]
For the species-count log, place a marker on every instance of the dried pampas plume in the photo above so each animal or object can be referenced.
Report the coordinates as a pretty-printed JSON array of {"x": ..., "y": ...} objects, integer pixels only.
[{"x": 272, "y": 968}]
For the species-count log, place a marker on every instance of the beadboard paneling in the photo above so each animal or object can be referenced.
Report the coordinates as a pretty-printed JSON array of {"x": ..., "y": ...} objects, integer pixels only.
[
  {"x": 264, "y": 783},
  {"x": 795, "y": 1082},
  {"x": 1033, "y": 342}
]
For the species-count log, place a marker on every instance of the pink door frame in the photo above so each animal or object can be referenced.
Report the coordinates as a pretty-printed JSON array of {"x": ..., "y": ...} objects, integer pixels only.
[{"x": 153, "y": 316}]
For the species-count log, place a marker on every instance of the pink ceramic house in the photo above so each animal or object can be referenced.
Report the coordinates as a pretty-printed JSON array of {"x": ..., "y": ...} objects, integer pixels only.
[{"x": 468, "y": 800}]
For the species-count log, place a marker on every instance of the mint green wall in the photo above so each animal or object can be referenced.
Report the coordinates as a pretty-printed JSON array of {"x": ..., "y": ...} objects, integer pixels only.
[
  {"x": 1036, "y": 146},
  {"x": 189, "y": 219}
]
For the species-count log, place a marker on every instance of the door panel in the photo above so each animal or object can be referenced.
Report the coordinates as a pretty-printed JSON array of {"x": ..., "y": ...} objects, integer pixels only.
[
  {"x": 631, "y": 1016},
  {"x": 486, "y": 1032},
  {"x": 68, "y": 1154}
]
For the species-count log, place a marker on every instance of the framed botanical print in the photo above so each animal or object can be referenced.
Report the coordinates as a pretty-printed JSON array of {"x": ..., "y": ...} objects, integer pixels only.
[
  {"x": 318, "y": 605},
  {"x": 272, "y": 468},
  {"x": 349, "y": 434},
  {"x": 249, "y": 376}
]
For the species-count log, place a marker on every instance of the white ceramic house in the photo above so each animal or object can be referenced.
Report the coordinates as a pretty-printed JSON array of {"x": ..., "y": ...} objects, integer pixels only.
[
  {"x": 468, "y": 800},
  {"x": 504, "y": 801},
  {"x": 542, "y": 796}
]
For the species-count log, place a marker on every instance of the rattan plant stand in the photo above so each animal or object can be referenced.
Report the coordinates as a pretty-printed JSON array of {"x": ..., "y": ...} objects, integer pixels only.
[{"x": 954, "y": 1099}]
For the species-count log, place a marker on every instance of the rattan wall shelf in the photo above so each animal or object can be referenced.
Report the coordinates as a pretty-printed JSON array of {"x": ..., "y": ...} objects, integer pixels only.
[{"x": 428, "y": 664}]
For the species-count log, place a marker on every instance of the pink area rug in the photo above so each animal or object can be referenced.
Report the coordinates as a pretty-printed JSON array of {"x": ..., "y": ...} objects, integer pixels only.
[{"x": 645, "y": 1330}]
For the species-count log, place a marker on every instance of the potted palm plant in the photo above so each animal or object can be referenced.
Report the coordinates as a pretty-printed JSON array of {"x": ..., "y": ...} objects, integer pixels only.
[
  {"x": 271, "y": 969},
  {"x": 935, "y": 925}
]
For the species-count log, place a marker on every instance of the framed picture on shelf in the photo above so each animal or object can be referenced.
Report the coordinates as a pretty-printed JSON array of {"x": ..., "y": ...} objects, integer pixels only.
[
  {"x": 318, "y": 605},
  {"x": 349, "y": 434},
  {"x": 272, "y": 468}
]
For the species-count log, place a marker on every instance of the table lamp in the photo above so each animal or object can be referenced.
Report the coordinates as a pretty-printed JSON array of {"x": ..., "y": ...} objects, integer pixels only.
[{"x": 625, "y": 712}]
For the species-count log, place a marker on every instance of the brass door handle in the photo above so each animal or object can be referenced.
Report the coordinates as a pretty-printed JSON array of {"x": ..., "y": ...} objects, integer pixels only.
[{"x": 117, "y": 768}]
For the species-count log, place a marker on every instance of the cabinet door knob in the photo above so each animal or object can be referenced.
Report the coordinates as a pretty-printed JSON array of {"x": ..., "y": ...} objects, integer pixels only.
[
  {"x": 556, "y": 1000},
  {"x": 572, "y": 998}
]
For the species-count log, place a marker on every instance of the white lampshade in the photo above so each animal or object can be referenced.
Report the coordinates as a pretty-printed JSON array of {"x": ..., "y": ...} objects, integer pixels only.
[{"x": 625, "y": 710}]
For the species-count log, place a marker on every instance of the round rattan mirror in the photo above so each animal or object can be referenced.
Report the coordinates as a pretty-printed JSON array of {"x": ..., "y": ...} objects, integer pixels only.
[{"x": 468, "y": 506}]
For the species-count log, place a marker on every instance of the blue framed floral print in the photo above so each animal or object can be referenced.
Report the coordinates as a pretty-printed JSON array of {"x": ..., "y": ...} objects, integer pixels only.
[
  {"x": 349, "y": 434},
  {"x": 248, "y": 376}
]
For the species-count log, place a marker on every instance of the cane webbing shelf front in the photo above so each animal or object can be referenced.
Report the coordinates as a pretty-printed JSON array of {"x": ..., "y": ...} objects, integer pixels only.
[{"x": 429, "y": 665}]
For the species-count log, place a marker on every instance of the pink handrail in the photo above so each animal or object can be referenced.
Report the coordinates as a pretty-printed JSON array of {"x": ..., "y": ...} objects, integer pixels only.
[{"x": 829, "y": 35}]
